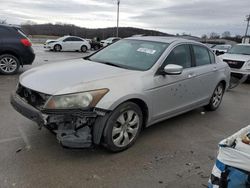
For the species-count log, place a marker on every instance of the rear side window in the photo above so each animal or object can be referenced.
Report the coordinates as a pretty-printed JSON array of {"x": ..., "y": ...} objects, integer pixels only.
[
  {"x": 180, "y": 55},
  {"x": 77, "y": 39},
  {"x": 201, "y": 55},
  {"x": 69, "y": 39},
  {"x": 5, "y": 32}
]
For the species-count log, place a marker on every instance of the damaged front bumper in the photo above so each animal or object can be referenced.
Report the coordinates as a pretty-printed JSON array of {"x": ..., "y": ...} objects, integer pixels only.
[
  {"x": 240, "y": 71},
  {"x": 76, "y": 128}
]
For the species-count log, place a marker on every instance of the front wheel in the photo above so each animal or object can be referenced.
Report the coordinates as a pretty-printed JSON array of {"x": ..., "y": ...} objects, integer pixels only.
[
  {"x": 57, "y": 48},
  {"x": 216, "y": 98},
  {"x": 123, "y": 127}
]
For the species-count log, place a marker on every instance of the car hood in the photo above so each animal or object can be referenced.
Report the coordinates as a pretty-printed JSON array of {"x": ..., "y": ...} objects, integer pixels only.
[
  {"x": 236, "y": 57},
  {"x": 57, "y": 77}
]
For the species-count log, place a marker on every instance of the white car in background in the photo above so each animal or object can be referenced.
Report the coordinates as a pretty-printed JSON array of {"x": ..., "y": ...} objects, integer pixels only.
[
  {"x": 221, "y": 48},
  {"x": 68, "y": 43},
  {"x": 109, "y": 41},
  {"x": 238, "y": 58}
]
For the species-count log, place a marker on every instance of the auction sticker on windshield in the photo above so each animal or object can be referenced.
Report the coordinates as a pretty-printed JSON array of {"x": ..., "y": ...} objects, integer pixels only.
[{"x": 146, "y": 50}]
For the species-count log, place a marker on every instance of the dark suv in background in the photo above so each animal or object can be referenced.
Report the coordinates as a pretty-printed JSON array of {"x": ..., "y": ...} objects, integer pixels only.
[{"x": 15, "y": 49}]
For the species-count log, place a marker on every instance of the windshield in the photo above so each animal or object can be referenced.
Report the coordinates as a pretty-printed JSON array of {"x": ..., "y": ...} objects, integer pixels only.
[
  {"x": 131, "y": 54},
  {"x": 240, "y": 49}
]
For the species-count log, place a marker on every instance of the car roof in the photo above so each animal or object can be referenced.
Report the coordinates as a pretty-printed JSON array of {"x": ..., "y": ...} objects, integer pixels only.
[
  {"x": 10, "y": 26},
  {"x": 163, "y": 39}
]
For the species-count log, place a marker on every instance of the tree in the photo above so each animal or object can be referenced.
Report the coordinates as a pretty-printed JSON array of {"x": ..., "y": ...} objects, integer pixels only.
[
  {"x": 214, "y": 35},
  {"x": 226, "y": 34},
  {"x": 204, "y": 36}
]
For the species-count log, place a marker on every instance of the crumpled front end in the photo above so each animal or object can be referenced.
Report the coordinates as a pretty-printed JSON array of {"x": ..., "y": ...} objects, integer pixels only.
[{"x": 74, "y": 128}]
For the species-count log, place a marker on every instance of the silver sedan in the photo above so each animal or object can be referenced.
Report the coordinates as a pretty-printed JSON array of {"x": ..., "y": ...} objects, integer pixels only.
[{"x": 108, "y": 97}]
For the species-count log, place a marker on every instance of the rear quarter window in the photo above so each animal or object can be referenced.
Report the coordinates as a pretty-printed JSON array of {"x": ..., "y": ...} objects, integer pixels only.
[
  {"x": 21, "y": 33},
  {"x": 212, "y": 57}
]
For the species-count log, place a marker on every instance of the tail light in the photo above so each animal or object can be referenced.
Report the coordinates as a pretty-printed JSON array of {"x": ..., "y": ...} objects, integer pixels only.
[{"x": 26, "y": 42}]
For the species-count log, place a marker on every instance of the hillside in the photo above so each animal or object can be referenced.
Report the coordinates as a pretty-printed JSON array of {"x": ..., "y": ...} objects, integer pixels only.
[{"x": 102, "y": 33}]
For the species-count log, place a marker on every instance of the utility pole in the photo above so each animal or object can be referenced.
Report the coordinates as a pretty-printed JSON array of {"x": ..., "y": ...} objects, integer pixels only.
[
  {"x": 118, "y": 11},
  {"x": 248, "y": 20}
]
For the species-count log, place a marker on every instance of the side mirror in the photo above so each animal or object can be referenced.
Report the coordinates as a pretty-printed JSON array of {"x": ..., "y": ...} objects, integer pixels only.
[{"x": 173, "y": 69}]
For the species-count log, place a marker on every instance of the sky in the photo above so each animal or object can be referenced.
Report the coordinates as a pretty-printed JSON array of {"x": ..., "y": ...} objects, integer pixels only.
[{"x": 194, "y": 17}]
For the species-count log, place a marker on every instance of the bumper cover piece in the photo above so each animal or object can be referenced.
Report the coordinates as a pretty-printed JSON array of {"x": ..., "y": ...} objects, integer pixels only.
[
  {"x": 71, "y": 139},
  {"x": 27, "y": 110}
]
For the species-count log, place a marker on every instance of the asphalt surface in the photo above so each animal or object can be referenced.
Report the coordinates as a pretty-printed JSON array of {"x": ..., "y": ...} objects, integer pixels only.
[{"x": 179, "y": 152}]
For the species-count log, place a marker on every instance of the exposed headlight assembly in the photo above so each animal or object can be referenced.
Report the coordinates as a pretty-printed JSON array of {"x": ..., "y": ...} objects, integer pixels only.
[{"x": 75, "y": 100}]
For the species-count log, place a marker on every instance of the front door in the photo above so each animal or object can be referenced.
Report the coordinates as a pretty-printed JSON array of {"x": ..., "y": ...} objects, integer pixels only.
[{"x": 172, "y": 94}]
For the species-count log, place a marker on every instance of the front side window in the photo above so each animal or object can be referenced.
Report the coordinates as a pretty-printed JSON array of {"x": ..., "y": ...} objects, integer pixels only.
[
  {"x": 201, "y": 55},
  {"x": 131, "y": 54},
  {"x": 179, "y": 56}
]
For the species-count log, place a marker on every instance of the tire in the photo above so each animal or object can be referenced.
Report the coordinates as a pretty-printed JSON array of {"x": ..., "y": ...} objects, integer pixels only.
[
  {"x": 84, "y": 49},
  {"x": 9, "y": 64},
  {"x": 216, "y": 98},
  {"x": 123, "y": 127},
  {"x": 57, "y": 48},
  {"x": 96, "y": 47}
]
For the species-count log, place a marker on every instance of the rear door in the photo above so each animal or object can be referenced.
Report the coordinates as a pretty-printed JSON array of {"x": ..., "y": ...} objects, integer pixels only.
[
  {"x": 77, "y": 43},
  {"x": 205, "y": 70},
  {"x": 68, "y": 44}
]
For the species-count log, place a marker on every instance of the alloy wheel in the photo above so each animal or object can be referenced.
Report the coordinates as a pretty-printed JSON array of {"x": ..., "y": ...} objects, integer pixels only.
[
  {"x": 217, "y": 96},
  {"x": 126, "y": 128}
]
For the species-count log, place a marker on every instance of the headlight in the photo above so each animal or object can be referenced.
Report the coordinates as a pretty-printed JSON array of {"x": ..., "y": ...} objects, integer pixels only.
[
  {"x": 76, "y": 100},
  {"x": 248, "y": 65}
]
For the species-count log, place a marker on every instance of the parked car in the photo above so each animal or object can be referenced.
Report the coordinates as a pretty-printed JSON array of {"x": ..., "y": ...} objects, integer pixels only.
[
  {"x": 15, "y": 49},
  {"x": 108, "y": 97},
  {"x": 68, "y": 43},
  {"x": 109, "y": 41},
  {"x": 221, "y": 48},
  {"x": 238, "y": 58},
  {"x": 95, "y": 45}
]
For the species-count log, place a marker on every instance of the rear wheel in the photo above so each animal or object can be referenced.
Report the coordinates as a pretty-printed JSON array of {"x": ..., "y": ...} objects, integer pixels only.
[
  {"x": 57, "y": 48},
  {"x": 9, "y": 64},
  {"x": 84, "y": 48},
  {"x": 123, "y": 127},
  {"x": 216, "y": 99}
]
